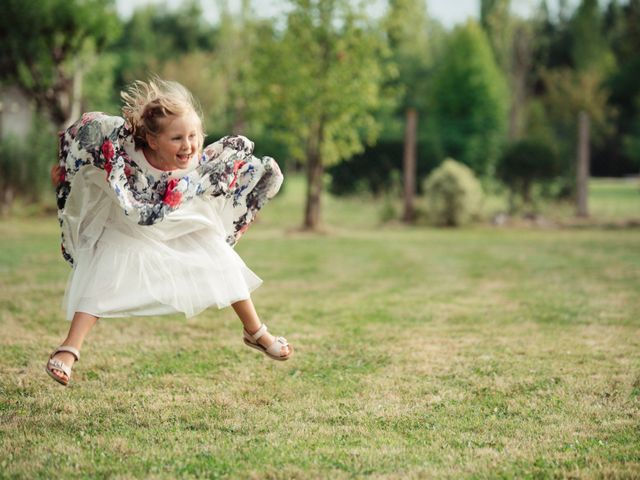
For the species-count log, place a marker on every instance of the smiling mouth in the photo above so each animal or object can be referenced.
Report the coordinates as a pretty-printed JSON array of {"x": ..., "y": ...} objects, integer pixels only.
[{"x": 184, "y": 157}]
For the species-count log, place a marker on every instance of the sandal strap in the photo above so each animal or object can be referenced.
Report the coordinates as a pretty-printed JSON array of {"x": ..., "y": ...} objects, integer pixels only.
[
  {"x": 66, "y": 348},
  {"x": 59, "y": 365},
  {"x": 276, "y": 347},
  {"x": 261, "y": 331}
]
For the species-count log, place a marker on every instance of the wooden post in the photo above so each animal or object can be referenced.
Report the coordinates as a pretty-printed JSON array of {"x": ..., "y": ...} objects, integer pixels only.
[
  {"x": 582, "y": 176},
  {"x": 409, "y": 165}
]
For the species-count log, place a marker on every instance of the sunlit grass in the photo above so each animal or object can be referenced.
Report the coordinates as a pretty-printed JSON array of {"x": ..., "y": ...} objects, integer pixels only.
[{"x": 420, "y": 353}]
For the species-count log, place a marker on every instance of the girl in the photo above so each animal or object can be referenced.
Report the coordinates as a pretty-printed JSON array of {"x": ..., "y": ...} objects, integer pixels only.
[{"x": 149, "y": 218}]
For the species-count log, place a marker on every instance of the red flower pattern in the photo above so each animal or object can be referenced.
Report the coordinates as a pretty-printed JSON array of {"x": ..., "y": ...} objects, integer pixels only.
[
  {"x": 172, "y": 197},
  {"x": 108, "y": 166},
  {"x": 107, "y": 149},
  {"x": 236, "y": 166}
]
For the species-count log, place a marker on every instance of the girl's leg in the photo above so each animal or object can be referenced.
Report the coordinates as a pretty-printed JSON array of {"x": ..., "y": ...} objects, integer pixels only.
[
  {"x": 249, "y": 318},
  {"x": 80, "y": 326}
]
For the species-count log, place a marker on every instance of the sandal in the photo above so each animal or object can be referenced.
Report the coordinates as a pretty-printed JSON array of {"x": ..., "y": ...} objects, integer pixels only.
[
  {"x": 273, "y": 350},
  {"x": 54, "y": 364}
]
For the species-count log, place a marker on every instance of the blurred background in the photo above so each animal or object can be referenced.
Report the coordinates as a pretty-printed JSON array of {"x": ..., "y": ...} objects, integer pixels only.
[{"x": 436, "y": 112}]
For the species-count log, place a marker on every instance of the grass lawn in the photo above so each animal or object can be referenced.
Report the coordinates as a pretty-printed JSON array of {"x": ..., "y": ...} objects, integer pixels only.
[{"x": 420, "y": 353}]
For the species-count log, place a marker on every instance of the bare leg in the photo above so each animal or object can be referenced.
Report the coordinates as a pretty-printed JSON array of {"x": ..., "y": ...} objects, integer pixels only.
[
  {"x": 80, "y": 326},
  {"x": 251, "y": 322}
]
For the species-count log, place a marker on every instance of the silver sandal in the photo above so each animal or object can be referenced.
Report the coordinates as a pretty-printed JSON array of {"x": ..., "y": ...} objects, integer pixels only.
[
  {"x": 273, "y": 350},
  {"x": 54, "y": 364}
]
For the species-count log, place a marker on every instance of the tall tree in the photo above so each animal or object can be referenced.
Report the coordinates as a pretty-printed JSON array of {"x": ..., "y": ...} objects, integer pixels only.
[
  {"x": 469, "y": 100},
  {"x": 495, "y": 18},
  {"x": 238, "y": 37},
  {"x": 511, "y": 40},
  {"x": 406, "y": 25},
  {"x": 43, "y": 47},
  {"x": 590, "y": 50},
  {"x": 624, "y": 23},
  {"x": 325, "y": 81},
  {"x": 154, "y": 36}
]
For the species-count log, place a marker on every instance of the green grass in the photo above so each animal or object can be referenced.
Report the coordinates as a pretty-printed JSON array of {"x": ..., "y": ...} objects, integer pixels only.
[
  {"x": 615, "y": 198},
  {"x": 420, "y": 353},
  {"x": 611, "y": 201}
]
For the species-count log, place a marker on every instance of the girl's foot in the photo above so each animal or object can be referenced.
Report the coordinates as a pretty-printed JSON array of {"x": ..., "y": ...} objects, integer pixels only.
[
  {"x": 267, "y": 340},
  {"x": 64, "y": 357},
  {"x": 262, "y": 340}
]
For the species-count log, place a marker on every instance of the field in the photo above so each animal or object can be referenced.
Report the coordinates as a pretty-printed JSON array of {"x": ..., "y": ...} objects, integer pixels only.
[{"x": 482, "y": 352}]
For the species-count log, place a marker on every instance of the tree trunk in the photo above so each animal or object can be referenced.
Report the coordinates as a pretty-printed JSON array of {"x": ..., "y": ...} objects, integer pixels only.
[
  {"x": 582, "y": 177},
  {"x": 409, "y": 165},
  {"x": 315, "y": 171}
]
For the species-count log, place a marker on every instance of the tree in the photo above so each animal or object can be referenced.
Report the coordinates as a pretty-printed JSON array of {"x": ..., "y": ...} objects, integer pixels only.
[
  {"x": 46, "y": 45},
  {"x": 512, "y": 41},
  {"x": 469, "y": 100},
  {"x": 618, "y": 156},
  {"x": 237, "y": 41},
  {"x": 568, "y": 93},
  {"x": 496, "y": 20},
  {"x": 324, "y": 80},
  {"x": 406, "y": 26},
  {"x": 589, "y": 49}
]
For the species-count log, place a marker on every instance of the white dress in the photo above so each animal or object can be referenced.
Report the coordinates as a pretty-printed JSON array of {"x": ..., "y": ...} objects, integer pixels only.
[{"x": 182, "y": 264}]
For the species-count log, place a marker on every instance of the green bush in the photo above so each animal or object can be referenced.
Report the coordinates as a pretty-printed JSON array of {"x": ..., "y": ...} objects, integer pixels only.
[
  {"x": 453, "y": 194},
  {"x": 372, "y": 170},
  {"x": 526, "y": 163}
]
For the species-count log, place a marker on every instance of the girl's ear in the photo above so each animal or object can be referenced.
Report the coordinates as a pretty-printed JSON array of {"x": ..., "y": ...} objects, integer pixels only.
[{"x": 152, "y": 141}]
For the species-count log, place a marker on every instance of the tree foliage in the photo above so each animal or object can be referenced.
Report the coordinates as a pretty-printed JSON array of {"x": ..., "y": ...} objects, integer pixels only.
[
  {"x": 325, "y": 82},
  {"x": 497, "y": 22},
  {"x": 407, "y": 27},
  {"x": 45, "y": 43},
  {"x": 589, "y": 49},
  {"x": 469, "y": 100}
]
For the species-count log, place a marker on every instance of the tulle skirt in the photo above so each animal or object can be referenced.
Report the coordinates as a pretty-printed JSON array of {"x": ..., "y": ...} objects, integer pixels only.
[{"x": 181, "y": 264}]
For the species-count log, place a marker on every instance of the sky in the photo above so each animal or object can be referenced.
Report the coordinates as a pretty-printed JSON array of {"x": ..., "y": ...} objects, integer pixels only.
[{"x": 448, "y": 12}]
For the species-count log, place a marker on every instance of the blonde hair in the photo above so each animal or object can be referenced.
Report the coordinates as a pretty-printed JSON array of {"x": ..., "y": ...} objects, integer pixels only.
[{"x": 146, "y": 104}]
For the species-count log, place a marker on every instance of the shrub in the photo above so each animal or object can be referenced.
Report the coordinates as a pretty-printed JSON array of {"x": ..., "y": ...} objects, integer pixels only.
[
  {"x": 372, "y": 170},
  {"x": 526, "y": 163},
  {"x": 453, "y": 194}
]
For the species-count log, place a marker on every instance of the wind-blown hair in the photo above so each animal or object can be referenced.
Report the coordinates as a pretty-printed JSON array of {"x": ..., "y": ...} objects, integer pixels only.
[{"x": 146, "y": 104}]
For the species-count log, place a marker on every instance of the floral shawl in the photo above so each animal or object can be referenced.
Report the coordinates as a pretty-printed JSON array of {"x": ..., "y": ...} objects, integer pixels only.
[{"x": 225, "y": 168}]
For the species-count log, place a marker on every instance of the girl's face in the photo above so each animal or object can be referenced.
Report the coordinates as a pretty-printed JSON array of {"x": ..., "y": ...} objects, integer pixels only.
[{"x": 177, "y": 143}]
